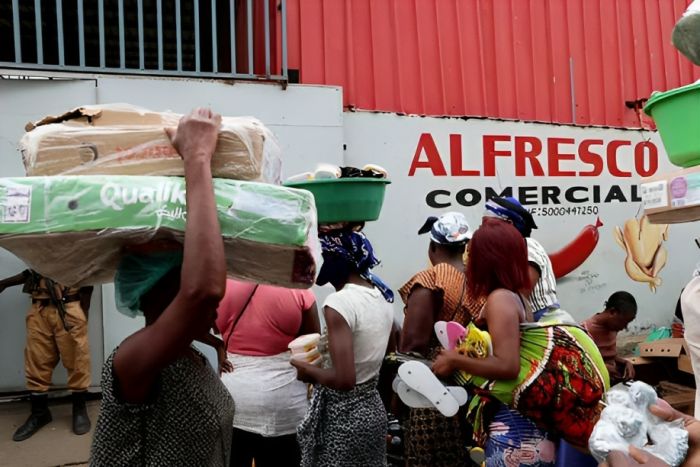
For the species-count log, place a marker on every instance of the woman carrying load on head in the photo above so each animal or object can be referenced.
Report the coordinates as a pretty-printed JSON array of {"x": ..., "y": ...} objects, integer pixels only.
[
  {"x": 346, "y": 423},
  {"x": 438, "y": 293},
  {"x": 162, "y": 403},
  {"x": 552, "y": 373}
]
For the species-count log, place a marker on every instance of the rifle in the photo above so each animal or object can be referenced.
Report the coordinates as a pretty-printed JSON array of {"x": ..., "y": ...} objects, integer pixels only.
[{"x": 57, "y": 301}]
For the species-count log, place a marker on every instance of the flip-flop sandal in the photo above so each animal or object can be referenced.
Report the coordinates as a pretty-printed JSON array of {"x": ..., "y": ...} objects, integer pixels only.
[
  {"x": 440, "y": 328},
  {"x": 411, "y": 398},
  {"x": 459, "y": 393},
  {"x": 395, "y": 384},
  {"x": 419, "y": 378},
  {"x": 415, "y": 400},
  {"x": 455, "y": 334}
]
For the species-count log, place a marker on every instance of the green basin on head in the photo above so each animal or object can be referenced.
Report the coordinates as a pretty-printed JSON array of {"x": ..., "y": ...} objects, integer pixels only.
[
  {"x": 677, "y": 116},
  {"x": 346, "y": 199}
]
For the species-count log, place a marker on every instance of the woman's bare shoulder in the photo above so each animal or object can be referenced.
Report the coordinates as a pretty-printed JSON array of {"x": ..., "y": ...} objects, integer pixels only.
[
  {"x": 504, "y": 300},
  {"x": 503, "y": 296}
]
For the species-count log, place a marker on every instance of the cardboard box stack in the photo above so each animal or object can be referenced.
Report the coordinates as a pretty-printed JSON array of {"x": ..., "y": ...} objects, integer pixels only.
[
  {"x": 73, "y": 228},
  {"x": 674, "y": 349},
  {"x": 663, "y": 357}
]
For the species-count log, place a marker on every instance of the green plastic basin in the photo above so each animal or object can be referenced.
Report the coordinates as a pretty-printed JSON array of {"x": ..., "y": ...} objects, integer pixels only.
[
  {"x": 346, "y": 199},
  {"x": 677, "y": 116}
]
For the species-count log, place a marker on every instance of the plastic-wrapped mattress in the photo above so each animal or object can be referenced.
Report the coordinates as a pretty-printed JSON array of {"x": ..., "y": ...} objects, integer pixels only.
[{"x": 74, "y": 228}]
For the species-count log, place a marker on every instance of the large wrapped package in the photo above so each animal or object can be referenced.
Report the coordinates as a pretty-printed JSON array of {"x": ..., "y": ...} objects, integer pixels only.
[
  {"x": 74, "y": 228},
  {"x": 120, "y": 139}
]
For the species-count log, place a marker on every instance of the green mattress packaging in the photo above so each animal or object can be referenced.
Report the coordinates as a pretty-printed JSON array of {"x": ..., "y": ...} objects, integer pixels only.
[{"x": 74, "y": 229}]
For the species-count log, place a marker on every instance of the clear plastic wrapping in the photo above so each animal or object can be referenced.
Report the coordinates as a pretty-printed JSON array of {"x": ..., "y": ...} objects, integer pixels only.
[
  {"x": 626, "y": 421},
  {"x": 686, "y": 33},
  {"x": 121, "y": 139},
  {"x": 74, "y": 228}
]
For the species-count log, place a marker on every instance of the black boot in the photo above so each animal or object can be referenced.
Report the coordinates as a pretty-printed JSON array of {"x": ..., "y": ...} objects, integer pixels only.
[
  {"x": 81, "y": 421},
  {"x": 39, "y": 417}
]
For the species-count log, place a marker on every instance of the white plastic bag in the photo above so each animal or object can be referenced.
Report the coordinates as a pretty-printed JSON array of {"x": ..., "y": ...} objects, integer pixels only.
[
  {"x": 686, "y": 33},
  {"x": 626, "y": 420}
]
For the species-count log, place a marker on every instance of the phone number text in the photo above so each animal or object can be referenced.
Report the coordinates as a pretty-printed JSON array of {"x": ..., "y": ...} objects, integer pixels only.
[{"x": 564, "y": 211}]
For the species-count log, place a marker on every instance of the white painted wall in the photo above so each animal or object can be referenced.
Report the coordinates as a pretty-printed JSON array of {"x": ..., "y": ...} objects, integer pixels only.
[
  {"x": 391, "y": 141},
  {"x": 311, "y": 128},
  {"x": 306, "y": 119}
]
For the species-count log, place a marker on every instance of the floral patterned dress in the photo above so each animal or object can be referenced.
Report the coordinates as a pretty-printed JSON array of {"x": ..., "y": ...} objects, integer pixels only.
[{"x": 561, "y": 382}]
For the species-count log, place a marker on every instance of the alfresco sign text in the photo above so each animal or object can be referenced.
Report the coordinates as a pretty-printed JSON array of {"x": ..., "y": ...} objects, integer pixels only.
[
  {"x": 599, "y": 171},
  {"x": 537, "y": 157}
]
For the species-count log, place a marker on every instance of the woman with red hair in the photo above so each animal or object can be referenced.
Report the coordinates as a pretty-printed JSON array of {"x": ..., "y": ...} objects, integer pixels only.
[{"x": 552, "y": 374}]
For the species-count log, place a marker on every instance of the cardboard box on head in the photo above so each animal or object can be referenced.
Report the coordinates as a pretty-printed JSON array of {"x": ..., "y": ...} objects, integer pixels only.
[{"x": 121, "y": 139}]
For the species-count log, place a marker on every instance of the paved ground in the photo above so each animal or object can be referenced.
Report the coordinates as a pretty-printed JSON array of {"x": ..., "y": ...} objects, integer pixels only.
[{"x": 54, "y": 445}]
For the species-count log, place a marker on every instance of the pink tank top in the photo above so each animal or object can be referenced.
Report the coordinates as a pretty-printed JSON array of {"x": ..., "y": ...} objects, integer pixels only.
[{"x": 270, "y": 322}]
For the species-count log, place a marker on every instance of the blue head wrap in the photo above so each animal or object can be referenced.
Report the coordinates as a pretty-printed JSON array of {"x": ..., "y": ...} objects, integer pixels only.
[
  {"x": 510, "y": 209},
  {"x": 355, "y": 249}
]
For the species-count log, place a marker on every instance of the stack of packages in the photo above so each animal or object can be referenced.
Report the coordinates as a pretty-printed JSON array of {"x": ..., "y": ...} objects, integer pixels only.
[
  {"x": 675, "y": 197},
  {"x": 104, "y": 177}
]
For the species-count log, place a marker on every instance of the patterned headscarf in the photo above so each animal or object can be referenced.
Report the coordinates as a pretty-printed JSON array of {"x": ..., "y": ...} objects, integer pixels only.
[
  {"x": 450, "y": 228},
  {"x": 511, "y": 210},
  {"x": 355, "y": 249}
]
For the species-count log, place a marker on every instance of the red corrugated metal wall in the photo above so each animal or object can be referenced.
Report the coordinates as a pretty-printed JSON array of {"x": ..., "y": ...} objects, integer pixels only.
[{"x": 562, "y": 61}]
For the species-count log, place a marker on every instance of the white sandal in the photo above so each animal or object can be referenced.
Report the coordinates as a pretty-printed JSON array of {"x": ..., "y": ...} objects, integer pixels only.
[
  {"x": 415, "y": 400},
  {"x": 395, "y": 384},
  {"x": 419, "y": 378},
  {"x": 440, "y": 328}
]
